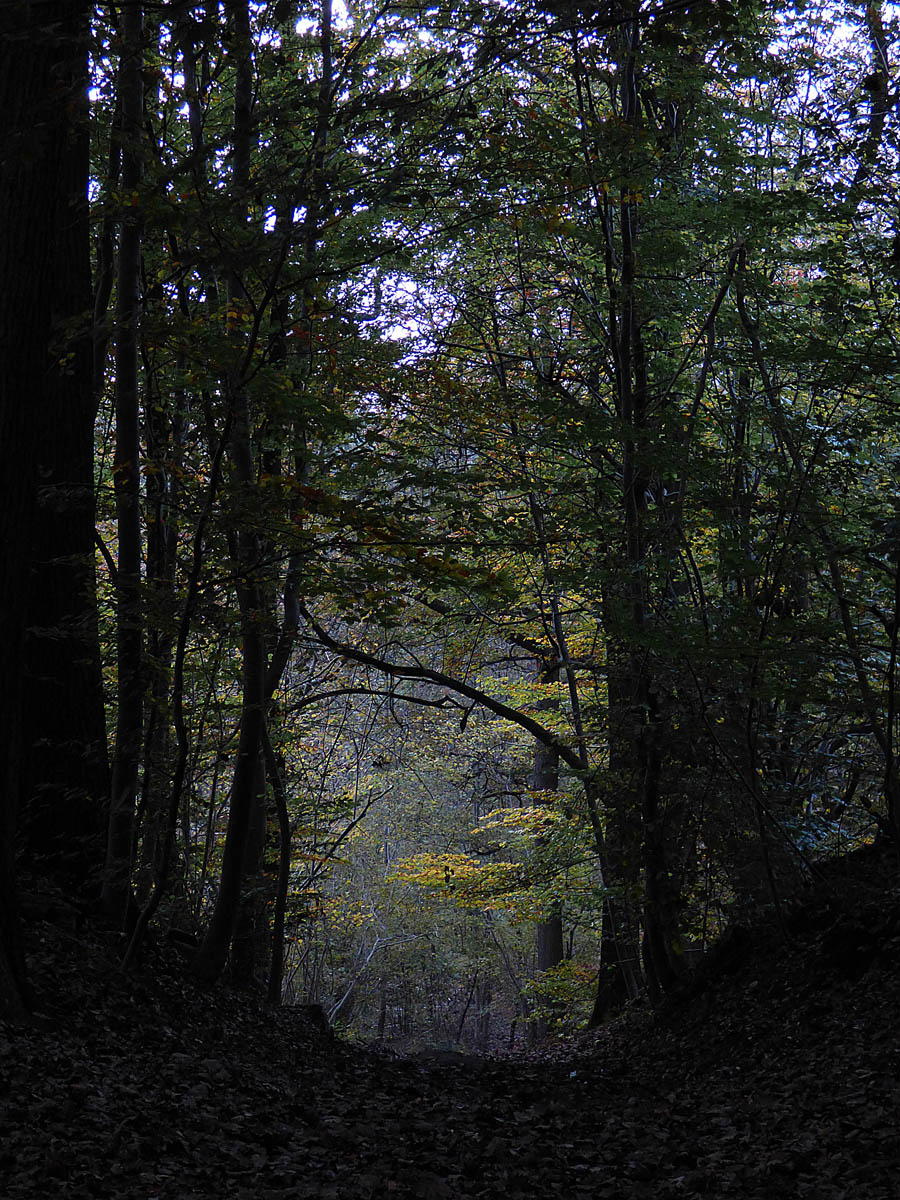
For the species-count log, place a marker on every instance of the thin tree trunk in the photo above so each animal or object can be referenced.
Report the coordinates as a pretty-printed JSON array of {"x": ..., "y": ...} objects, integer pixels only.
[
  {"x": 127, "y": 479},
  {"x": 164, "y": 432},
  {"x": 213, "y": 953},
  {"x": 276, "y": 782},
  {"x": 249, "y": 939},
  {"x": 545, "y": 778},
  {"x": 181, "y": 731},
  {"x": 634, "y": 782}
]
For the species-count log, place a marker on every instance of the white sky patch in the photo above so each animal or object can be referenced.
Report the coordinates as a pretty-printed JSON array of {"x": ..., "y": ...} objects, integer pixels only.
[
  {"x": 406, "y": 291},
  {"x": 340, "y": 17}
]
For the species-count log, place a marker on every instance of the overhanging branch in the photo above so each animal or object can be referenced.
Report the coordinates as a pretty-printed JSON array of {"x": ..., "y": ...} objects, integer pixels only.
[{"x": 415, "y": 671}]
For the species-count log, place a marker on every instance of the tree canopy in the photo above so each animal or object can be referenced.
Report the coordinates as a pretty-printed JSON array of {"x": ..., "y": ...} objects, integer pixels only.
[{"x": 451, "y": 549}]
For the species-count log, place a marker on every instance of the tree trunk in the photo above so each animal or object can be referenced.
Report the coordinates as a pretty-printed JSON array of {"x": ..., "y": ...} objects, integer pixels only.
[
  {"x": 661, "y": 944},
  {"x": 545, "y": 778},
  {"x": 164, "y": 425},
  {"x": 43, "y": 185},
  {"x": 249, "y": 943},
  {"x": 213, "y": 953},
  {"x": 65, "y": 779},
  {"x": 126, "y": 478},
  {"x": 629, "y": 667},
  {"x": 276, "y": 782}
]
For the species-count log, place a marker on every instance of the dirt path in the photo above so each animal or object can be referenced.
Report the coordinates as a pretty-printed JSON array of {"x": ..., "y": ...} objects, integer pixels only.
[{"x": 777, "y": 1078}]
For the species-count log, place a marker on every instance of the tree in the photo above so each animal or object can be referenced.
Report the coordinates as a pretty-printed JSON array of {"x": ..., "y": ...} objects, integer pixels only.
[
  {"x": 590, "y": 328},
  {"x": 448, "y": 344},
  {"x": 45, "y": 349},
  {"x": 117, "y": 894}
]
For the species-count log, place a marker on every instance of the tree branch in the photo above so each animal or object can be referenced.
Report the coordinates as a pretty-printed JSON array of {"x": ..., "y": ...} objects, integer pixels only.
[{"x": 410, "y": 671}]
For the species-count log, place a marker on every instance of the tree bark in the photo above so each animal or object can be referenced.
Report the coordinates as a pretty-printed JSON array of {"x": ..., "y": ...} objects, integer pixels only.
[
  {"x": 635, "y": 851},
  {"x": 126, "y": 478},
  {"x": 249, "y": 941},
  {"x": 213, "y": 953},
  {"x": 42, "y": 186},
  {"x": 276, "y": 782},
  {"x": 65, "y": 784},
  {"x": 64, "y": 780},
  {"x": 545, "y": 778}
]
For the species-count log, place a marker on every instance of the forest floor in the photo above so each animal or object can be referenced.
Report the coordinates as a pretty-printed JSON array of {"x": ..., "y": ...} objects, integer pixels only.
[{"x": 776, "y": 1074}]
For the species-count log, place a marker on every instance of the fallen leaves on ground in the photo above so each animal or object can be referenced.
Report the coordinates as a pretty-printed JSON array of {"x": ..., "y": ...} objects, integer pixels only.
[{"x": 775, "y": 1074}]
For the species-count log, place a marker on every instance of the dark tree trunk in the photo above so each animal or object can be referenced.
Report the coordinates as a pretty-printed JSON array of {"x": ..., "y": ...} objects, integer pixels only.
[
  {"x": 250, "y": 942},
  {"x": 629, "y": 658},
  {"x": 545, "y": 778},
  {"x": 550, "y": 952},
  {"x": 620, "y": 974},
  {"x": 65, "y": 778},
  {"x": 213, "y": 953},
  {"x": 276, "y": 782},
  {"x": 43, "y": 185},
  {"x": 662, "y": 943},
  {"x": 126, "y": 478},
  {"x": 65, "y": 783},
  {"x": 164, "y": 425}
]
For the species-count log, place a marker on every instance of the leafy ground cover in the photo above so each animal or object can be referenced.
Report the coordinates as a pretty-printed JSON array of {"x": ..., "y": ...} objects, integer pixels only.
[{"x": 775, "y": 1074}]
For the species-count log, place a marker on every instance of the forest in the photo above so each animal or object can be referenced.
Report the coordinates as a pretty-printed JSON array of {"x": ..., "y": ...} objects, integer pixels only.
[{"x": 449, "y": 492}]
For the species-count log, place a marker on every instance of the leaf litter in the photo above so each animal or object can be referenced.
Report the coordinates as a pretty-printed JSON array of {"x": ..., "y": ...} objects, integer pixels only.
[{"x": 775, "y": 1072}]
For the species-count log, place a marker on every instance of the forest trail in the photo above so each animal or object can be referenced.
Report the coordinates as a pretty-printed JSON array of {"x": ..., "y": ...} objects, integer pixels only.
[{"x": 778, "y": 1075}]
